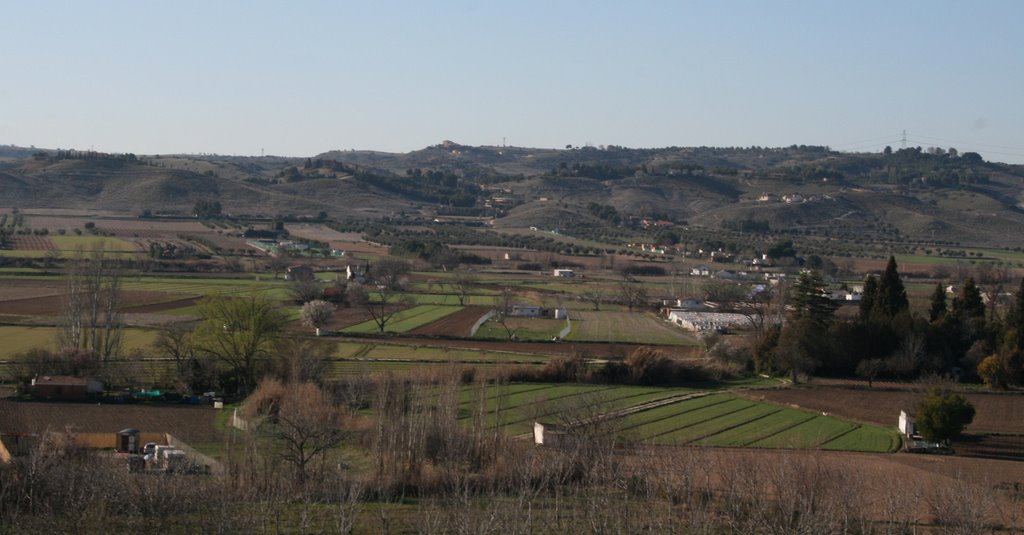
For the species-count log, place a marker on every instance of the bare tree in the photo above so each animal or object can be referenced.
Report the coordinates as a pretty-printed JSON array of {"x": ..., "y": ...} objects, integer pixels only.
[
  {"x": 92, "y": 315},
  {"x": 463, "y": 285},
  {"x": 303, "y": 360},
  {"x": 381, "y": 301},
  {"x": 503, "y": 314},
  {"x": 306, "y": 424},
  {"x": 632, "y": 294},
  {"x": 305, "y": 290},
  {"x": 595, "y": 296},
  {"x": 174, "y": 341},
  {"x": 390, "y": 273}
]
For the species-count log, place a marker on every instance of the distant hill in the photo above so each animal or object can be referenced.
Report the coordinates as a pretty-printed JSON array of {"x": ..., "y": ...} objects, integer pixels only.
[{"x": 909, "y": 194}]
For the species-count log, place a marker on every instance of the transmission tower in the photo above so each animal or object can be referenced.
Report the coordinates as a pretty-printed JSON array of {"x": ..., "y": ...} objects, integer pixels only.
[{"x": 903, "y": 141}]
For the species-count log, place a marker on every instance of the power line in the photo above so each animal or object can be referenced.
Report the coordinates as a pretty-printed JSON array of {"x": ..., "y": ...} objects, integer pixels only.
[{"x": 970, "y": 143}]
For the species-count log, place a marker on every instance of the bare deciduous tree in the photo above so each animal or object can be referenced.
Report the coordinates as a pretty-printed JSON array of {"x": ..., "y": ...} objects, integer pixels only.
[
  {"x": 92, "y": 308},
  {"x": 305, "y": 290},
  {"x": 306, "y": 424},
  {"x": 463, "y": 286}
]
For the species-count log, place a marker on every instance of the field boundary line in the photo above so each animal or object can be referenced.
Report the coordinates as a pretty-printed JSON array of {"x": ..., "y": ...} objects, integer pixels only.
[
  {"x": 705, "y": 420},
  {"x": 783, "y": 430},
  {"x": 731, "y": 427}
]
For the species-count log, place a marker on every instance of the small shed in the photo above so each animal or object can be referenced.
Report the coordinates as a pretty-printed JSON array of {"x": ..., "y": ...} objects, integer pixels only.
[
  {"x": 551, "y": 435},
  {"x": 906, "y": 425},
  {"x": 128, "y": 440},
  {"x": 564, "y": 273}
]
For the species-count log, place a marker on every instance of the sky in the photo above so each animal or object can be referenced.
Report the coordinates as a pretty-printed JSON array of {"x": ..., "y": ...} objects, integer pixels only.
[{"x": 300, "y": 78}]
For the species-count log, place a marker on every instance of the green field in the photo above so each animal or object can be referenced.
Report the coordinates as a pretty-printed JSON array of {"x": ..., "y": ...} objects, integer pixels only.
[
  {"x": 626, "y": 327},
  {"x": 725, "y": 420},
  {"x": 14, "y": 339},
  {"x": 406, "y": 320}
]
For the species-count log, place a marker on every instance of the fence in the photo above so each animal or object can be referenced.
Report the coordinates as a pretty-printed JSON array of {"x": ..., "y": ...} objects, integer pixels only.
[{"x": 212, "y": 465}]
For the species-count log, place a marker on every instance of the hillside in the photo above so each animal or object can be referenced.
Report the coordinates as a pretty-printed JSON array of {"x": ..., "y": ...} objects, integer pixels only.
[{"x": 911, "y": 194}]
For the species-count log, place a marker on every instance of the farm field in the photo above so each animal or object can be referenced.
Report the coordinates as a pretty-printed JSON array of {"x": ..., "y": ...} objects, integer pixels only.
[
  {"x": 726, "y": 420},
  {"x": 381, "y": 352},
  {"x": 996, "y": 413},
  {"x": 541, "y": 329},
  {"x": 638, "y": 328},
  {"x": 458, "y": 324},
  {"x": 701, "y": 420},
  {"x": 448, "y": 299},
  {"x": 406, "y": 320},
  {"x": 16, "y": 339},
  {"x": 364, "y": 368},
  {"x": 185, "y": 422}
]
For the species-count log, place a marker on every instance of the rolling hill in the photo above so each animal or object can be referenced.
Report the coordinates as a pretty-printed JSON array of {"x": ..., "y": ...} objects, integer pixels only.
[{"x": 910, "y": 194}]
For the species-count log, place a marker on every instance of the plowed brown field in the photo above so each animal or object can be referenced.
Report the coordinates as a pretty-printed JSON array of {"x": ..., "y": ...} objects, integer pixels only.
[
  {"x": 50, "y": 305},
  {"x": 457, "y": 324},
  {"x": 191, "y": 424},
  {"x": 996, "y": 413}
]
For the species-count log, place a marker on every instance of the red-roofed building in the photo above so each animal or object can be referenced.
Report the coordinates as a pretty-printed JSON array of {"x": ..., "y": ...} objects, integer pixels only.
[{"x": 65, "y": 387}]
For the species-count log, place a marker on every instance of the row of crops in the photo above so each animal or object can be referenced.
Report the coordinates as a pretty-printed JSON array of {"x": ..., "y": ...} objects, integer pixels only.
[{"x": 701, "y": 419}]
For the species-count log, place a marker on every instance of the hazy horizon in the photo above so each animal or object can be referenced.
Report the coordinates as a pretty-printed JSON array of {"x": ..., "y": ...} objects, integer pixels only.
[{"x": 238, "y": 78}]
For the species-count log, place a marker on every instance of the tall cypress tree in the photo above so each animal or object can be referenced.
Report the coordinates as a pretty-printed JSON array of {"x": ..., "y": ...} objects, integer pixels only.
[{"x": 892, "y": 296}]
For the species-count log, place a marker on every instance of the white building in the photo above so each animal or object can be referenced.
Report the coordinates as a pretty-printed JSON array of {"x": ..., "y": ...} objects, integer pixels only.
[{"x": 701, "y": 322}]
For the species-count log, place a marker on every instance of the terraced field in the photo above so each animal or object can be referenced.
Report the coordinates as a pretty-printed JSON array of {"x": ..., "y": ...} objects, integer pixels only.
[
  {"x": 675, "y": 416},
  {"x": 726, "y": 420}
]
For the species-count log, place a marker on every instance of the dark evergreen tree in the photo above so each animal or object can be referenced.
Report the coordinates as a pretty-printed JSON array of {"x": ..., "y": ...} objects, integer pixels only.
[
  {"x": 891, "y": 298},
  {"x": 804, "y": 342},
  {"x": 867, "y": 299},
  {"x": 938, "y": 304},
  {"x": 810, "y": 300},
  {"x": 969, "y": 304}
]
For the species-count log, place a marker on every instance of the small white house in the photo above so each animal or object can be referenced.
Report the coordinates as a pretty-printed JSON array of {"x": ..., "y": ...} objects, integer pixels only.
[{"x": 564, "y": 273}]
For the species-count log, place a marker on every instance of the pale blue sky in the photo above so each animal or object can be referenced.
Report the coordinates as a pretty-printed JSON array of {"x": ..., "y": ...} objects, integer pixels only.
[{"x": 300, "y": 78}]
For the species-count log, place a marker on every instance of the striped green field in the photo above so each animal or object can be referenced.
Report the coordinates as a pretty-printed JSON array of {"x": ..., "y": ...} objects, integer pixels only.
[
  {"x": 406, "y": 320},
  {"x": 726, "y": 420}
]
